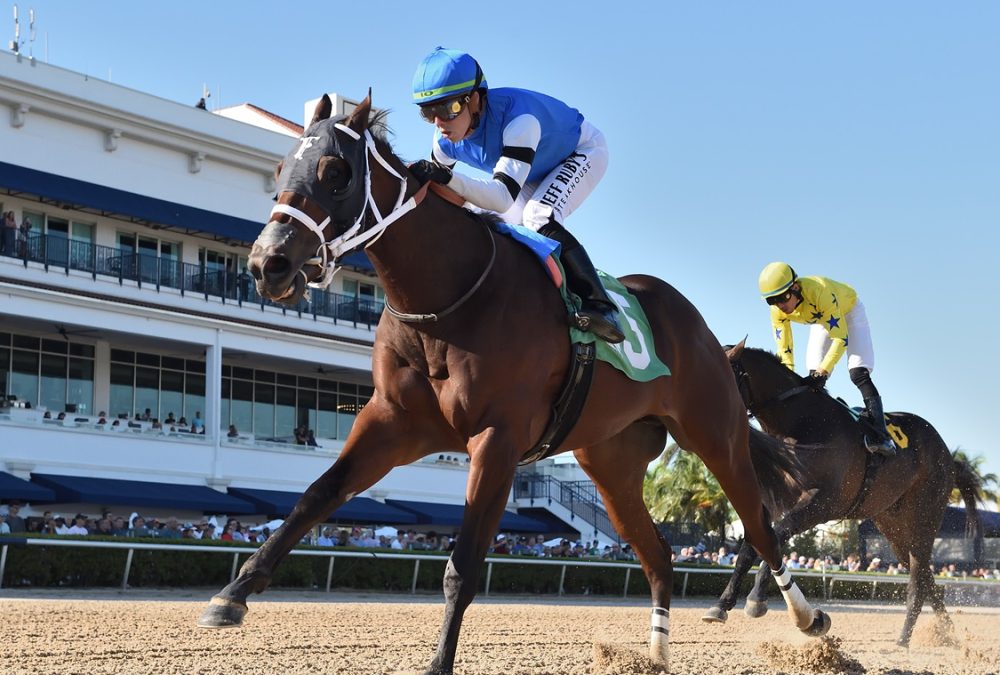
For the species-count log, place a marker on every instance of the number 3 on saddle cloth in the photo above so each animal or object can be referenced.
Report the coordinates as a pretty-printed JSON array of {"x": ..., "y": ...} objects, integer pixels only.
[
  {"x": 861, "y": 417},
  {"x": 635, "y": 356}
]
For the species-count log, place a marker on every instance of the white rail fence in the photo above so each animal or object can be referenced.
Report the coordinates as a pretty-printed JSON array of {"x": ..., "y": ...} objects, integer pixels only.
[{"x": 992, "y": 588}]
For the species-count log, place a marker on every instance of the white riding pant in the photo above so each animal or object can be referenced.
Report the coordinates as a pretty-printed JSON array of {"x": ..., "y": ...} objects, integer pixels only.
[
  {"x": 860, "y": 353},
  {"x": 562, "y": 191}
]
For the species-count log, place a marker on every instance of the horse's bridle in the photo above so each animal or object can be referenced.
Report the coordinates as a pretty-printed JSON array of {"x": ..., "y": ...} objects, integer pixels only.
[
  {"x": 329, "y": 252},
  {"x": 743, "y": 384}
]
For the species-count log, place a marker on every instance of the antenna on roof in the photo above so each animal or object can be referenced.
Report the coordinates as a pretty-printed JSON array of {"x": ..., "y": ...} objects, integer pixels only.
[
  {"x": 15, "y": 44},
  {"x": 31, "y": 34}
]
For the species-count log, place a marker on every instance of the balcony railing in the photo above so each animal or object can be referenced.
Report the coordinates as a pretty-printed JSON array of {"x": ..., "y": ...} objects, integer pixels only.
[{"x": 60, "y": 253}]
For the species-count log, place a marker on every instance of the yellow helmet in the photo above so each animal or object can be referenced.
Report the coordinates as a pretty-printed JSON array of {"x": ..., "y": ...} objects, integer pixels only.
[{"x": 775, "y": 279}]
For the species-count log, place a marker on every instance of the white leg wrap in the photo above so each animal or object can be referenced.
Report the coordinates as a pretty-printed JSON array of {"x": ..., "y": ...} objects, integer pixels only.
[
  {"x": 659, "y": 635},
  {"x": 798, "y": 607}
]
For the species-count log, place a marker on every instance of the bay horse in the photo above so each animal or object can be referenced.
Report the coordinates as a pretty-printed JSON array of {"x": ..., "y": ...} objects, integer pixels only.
[
  {"x": 469, "y": 356},
  {"x": 836, "y": 478}
]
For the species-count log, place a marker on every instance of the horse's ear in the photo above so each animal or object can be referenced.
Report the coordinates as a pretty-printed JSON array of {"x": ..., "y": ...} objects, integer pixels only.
[
  {"x": 735, "y": 352},
  {"x": 324, "y": 107},
  {"x": 358, "y": 121}
]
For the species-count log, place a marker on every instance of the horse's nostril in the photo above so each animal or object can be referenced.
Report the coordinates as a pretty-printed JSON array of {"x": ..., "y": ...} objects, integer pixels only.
[{"x": 275, "y": 266}]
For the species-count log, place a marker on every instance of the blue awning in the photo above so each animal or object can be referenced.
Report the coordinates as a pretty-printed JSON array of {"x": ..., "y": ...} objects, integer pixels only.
[
  {"x": 111, "y": 491},
  {"x": 358, "y": 509},
  {"x": 80, "y": 194},
  {"x": 12, "y": 487},
  {"x": 555, "y": 524},
  {"x": 451, "y": 515}
]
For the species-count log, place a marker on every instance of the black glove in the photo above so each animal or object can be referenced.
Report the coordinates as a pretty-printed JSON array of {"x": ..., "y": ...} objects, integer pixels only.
[
  {"x": 816, "y": 382},
  {"x": 426, "y": 170}
]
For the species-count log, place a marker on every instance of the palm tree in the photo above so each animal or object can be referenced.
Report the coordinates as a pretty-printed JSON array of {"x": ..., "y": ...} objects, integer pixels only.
[
  {"x": 680, "y": 488},
  {"x": 988, "y": 481}
]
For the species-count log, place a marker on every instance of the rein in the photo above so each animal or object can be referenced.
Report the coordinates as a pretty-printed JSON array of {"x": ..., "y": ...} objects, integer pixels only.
[
  {"x": 742, "y": 382},
  {"x": 329, "y": 252}
]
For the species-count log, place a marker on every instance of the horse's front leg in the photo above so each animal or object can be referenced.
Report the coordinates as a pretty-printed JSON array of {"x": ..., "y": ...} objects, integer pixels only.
[
  {"x": 370, "y": 452},
  {"x": 744, "y": 561},
  {"x": 491, "y": 474}
]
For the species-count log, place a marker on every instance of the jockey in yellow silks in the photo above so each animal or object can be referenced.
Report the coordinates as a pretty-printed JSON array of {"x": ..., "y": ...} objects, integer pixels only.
[{"x": 838, "y": 324}]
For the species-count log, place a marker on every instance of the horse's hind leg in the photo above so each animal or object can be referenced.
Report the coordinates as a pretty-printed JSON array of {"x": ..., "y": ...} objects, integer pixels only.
[
  {"x": 617, "y": 467},
  {"x": 372, "y": 450},
  {"x": 732, "y": 472},
  {"x": 719, "y": 612}
]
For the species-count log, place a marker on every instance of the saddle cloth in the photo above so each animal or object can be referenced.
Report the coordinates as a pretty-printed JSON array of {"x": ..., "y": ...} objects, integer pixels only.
[
  {"x": 892, "y": 423},
  {"x": 636, "y": 356}
]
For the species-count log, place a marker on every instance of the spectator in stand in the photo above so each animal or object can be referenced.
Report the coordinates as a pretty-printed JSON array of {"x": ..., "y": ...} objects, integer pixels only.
[
  {"x": 875, "y": 565},
  {"x": 170, "y": 418},
  {"x": 398, "y": 542},
  {"x": 538, "y": 546},
  {"x": 79, "y": 525},
  {"x": 326, "y": 538},
  {"x": 103, "y": 528},
  {"x": 14, "y": 520},
  {"x": 301, "y": 435},
  {"x": 684, "y": 556},
  {"x": 197, "y": 424},
  {"x": 233, "y": 433},
  {"x": 138, "y": 528},
  {"x": 725, "y": 557},
  {"x": 228, "y": 531},
  {"x": 171, "y": 529},
  {"x": 311, "y": 439},
  {"x": 25, "y": 232},
  {"x": 8, "y": 240},
  {"x": 146, "y": 416},
  {"x": 4, "y": 527},
  {"x": 501, "y": 546},
  {"x": 521, "y": 547}
]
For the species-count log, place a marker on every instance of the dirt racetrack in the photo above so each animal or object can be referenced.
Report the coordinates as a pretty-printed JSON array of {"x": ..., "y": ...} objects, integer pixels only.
[{"x": 294, "y": 632}]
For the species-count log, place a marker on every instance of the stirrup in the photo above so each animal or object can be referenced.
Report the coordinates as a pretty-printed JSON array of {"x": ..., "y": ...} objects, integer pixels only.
[
  {"x": 601, "y": 324},
  {"x": 886, "y": 448}
]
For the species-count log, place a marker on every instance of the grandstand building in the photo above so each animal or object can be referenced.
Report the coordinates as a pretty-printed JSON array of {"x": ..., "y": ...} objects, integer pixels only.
[{"x": 123, "y": 290}]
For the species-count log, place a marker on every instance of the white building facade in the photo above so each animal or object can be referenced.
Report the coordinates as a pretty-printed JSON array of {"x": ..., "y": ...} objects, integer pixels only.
[{"x": 128, "y": 293}]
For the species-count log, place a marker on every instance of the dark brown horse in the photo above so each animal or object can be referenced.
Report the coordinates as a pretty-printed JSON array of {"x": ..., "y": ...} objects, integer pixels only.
[
  {"x": 835, "y": 478},
  {"x": 470, "y": 355}
]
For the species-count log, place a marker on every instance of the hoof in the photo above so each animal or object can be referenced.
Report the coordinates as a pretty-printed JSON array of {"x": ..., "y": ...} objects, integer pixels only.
[
  {"x": 755, "y": 609},
  {"x": 715, "y": 615},
  {"x": 904, "y": 643},
  {"x": 820, "y": 624},
  {"x": 222, "y": 614}
]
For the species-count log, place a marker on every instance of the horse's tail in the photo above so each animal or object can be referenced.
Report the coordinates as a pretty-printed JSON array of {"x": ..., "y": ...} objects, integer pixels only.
[
  {"x": 780, "y": 474},
  {"x": 971, "y": 488}
]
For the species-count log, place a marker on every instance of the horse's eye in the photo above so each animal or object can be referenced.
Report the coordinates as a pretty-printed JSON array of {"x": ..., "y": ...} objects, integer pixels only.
[{"x": 334, "y": 174}]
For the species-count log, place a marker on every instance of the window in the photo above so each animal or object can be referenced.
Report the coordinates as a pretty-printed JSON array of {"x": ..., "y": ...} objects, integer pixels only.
[{"x": 47, "y": 373}]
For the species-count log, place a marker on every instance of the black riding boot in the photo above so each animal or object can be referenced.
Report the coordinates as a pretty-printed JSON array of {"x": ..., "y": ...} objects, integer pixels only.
[
  {"x": 882, "y": 443},
  {"x": 597, "y": 313}
]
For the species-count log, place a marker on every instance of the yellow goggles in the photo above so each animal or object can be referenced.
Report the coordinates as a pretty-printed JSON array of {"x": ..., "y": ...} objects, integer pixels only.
[{"x": 446, "y": 110}]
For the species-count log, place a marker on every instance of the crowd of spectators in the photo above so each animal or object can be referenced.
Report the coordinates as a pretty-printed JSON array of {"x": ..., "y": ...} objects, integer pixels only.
[{"x": 111, "y": 525}]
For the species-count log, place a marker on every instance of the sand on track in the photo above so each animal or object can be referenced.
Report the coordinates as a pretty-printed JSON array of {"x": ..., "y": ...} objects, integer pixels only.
[{"x": 295, "y": 632}]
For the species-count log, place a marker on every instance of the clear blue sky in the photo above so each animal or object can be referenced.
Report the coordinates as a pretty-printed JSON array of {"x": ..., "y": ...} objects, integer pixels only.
[{"x": 855, "y": 140}]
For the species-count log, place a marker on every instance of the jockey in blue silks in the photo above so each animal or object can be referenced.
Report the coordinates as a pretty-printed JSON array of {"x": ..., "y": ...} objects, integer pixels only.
[{"x": 543, "y": 156}]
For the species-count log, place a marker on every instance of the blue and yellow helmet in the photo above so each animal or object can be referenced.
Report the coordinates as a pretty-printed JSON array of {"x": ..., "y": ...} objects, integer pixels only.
[{"x": 445, "y": 73}]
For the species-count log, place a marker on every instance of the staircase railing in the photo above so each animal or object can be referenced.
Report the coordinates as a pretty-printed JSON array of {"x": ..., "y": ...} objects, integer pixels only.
[{"x": 580, "y": 498}]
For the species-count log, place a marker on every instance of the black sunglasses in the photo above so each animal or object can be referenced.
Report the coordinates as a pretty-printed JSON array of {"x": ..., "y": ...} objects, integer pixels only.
[
  {"x": 779, "y": 299},
  {"x": 446, "y": 110}
]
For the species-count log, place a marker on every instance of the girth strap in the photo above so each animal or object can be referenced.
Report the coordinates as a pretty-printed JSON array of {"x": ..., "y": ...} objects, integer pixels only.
[{"x": 569, "y": 405}]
